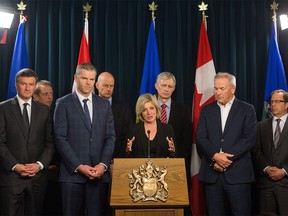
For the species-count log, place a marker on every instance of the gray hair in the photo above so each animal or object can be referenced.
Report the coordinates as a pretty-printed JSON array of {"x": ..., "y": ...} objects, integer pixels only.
[
  {"x": 231, "y": 78},
  {"x": 165, "y": 76}
]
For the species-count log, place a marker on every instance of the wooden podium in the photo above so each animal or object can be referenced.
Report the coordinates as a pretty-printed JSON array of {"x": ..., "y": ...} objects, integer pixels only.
[{"x": 158, "y": 187}]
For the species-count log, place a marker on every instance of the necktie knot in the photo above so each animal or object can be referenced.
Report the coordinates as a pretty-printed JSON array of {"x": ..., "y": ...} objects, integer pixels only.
[
  {"x": 278, "y": 121},
  {"x": 163, "y": 106},
  {"x": 85, "y": 101}
]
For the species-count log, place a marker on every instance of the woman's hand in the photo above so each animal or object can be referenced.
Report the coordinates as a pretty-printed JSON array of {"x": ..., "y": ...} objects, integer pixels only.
[
  {"x": 171, "y": 144},
  {"x": 129, "y": 144}
]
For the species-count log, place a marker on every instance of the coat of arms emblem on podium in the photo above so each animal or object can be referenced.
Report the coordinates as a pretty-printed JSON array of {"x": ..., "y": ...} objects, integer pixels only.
[{"x": 148, "y": 183}]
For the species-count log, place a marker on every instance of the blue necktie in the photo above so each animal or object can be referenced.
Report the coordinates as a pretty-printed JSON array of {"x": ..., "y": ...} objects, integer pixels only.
[{"x": 86, "y": 112}]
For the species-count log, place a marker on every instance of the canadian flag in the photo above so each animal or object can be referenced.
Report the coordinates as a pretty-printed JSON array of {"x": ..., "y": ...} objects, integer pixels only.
[
  {"x": 203, "y": 95},
  {"x": 84, "y": 53}
]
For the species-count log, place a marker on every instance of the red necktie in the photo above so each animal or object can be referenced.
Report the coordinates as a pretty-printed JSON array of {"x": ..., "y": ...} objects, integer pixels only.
[{"x": 163, "y": 117}]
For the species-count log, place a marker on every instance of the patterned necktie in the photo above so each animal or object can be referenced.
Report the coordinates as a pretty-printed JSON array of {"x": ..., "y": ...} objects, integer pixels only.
[
  {"x": 86, "y": 112},
  {"x": 277, "y": 133},
  {"x": 163, "y": 117},
  {"x": 25, "y": 117}
]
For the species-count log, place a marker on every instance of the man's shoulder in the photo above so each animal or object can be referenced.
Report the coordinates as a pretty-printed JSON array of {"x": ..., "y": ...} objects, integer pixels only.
[
  {"x": 8, "y": 102},
  {"x": 243, "y": 103},
  {"x": 178, "y": 105}
]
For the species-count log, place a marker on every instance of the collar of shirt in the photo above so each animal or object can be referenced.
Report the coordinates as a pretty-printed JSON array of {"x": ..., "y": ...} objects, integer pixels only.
[
  {"x": 21, "y": 102},
  {"x": 283, "y": 118},
  {"x": 281, "y": 124},
  {"x": 81, "y": 97},
  {"x": 229, "y": 104},
  {"x": 110, "y": 100},
  {"x": 168, "y": 103}
]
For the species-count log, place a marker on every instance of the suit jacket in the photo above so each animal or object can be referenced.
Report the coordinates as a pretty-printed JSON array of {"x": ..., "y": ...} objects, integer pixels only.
[
  {"x": 140, "y": 144},
  {"x": 76, "y": 142},
  {"x": 265, "y": 153},
  {"x": 16, "y": 146},
  {"x": 122, "y": 120},
  {"x": 238, "y": 138},
  {"x": 180, "y": 119}
]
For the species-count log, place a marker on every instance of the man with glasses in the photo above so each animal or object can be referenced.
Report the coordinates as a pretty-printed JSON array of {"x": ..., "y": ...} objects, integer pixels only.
[
  {"x": 271, "y": 157},
  {"x": 44, "y": 92}
]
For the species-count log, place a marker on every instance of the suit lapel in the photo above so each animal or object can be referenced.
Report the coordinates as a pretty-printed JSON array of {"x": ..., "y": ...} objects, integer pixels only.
[
  {"x": 231, "y": 115},
  {"x": 18, "y": 115},
  {"x": 34, "y": 116},
  {"x": 79, "y": 108},
  {"x": 283, "y": 133}
]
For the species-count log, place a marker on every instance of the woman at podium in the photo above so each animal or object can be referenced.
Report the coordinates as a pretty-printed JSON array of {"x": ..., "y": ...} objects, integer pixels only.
[{"x": 149, "y": 137}]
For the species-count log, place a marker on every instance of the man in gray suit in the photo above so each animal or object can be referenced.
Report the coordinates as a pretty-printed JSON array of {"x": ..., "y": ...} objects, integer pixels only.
[
  {"x": 85, "y": 137},
  {"x": 26, "y": 148},
  {"x": 271, "y": 157}
]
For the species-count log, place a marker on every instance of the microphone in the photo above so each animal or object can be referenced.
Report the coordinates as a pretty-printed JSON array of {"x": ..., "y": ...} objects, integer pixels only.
[{"x": 148, "y": 133}]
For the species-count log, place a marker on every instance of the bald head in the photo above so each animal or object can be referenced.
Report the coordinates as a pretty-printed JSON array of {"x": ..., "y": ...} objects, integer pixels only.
[{"x": 105, "y": 85}]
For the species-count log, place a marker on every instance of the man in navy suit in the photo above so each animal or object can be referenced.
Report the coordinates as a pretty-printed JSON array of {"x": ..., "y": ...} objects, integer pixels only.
[
  {"x": 26, "y": 148},
  {"x": 225, "y": 136},
  {"x": 85, "y": 137},
  {"x": 271, "y": 157}
]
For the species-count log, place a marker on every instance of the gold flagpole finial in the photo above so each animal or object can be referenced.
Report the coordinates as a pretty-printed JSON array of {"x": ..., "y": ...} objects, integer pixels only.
[
  {"x": 153, "y": 8},
  {"x": 87, "y": 9},
  {"x": 21, "y": 8},
  {"x": 203, "y": 7},
  {"x": 274, "y": 7}
]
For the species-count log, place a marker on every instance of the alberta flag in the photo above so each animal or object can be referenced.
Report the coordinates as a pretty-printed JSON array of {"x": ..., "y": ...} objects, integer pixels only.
[
  {"x": 151, "y": 67},
  {"x": 275, "y": 77},
  {"x": 203, "y": 95},
  {"x": 19, "y": 58}
]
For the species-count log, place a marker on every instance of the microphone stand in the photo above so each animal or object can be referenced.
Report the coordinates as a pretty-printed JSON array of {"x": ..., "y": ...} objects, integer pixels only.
[{"x": 148, "y": 133}]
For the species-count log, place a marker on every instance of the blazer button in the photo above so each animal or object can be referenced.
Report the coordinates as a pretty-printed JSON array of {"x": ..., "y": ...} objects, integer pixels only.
[
  {"x": 222, "y": 140},
  {"x": 91, "y": 140}
]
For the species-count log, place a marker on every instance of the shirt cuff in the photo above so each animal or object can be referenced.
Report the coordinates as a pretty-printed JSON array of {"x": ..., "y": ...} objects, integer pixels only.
[
  {"x": 104, "y": 166},
  {"x": 13, "y": 168},
  {"x": 40, "y": 164},
  {"x": 285, "y": 171},
  {"x": 264, "y": 170},
  {"x": 76, "y": 170}
]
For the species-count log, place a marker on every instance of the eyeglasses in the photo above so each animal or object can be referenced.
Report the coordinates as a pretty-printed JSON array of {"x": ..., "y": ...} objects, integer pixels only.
[{"x": 277, "y": 101}]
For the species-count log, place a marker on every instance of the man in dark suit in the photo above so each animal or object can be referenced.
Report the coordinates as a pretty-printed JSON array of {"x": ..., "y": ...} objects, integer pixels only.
[
  {"x": 26, "y": 148},
  {"x": 177, "y": 114},
  {"x": 271, "y": 157},
  {"x": 225, "y": 136},
  {"x": 121, "y": 111},
  {"x": 85, "y": 137}
]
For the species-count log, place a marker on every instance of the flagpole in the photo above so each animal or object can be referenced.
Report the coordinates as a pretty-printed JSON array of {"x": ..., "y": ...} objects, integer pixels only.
[
  {"x": 84, "y": 52},
  {"x": 274, "y": 7},
  {"x": 203, "y": 95},
  {"x": 21, "y": 8},
  {"x": 20, "y": 56}
]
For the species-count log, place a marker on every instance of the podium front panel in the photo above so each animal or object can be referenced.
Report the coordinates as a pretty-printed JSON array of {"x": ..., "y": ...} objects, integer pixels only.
[{"x": 175, "y": 179}]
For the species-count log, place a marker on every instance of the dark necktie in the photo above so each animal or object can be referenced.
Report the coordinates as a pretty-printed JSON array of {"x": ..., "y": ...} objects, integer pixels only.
[
  {"x": 25, "y": 117},
  {"x": 86, "y": 111},
  {"x": 163, "y": 117},
  {"x": 277, "y": 133}
]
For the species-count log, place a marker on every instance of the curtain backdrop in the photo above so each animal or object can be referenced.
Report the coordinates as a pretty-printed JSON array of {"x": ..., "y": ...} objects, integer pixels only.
[{"x": 238, "y": 32}]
